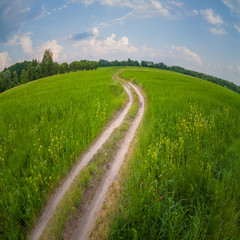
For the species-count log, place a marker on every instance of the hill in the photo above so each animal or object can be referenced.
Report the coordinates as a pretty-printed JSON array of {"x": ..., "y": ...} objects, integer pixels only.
[
  {"x": 183, "y": 181},
  {"x": 44, "y": 126}
]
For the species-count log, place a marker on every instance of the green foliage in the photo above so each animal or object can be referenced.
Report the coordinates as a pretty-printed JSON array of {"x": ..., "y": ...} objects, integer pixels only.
[
  {"x": 184, "y": 177},
  {"x": 106, "y": 63},
  {"x": 63, "y": 68},
  {"x": 23, "y": 76},
  {"x": 82, "y": 65},
  {"x": 24, "y": 72},
  {"x": 44, "y": 126},
  {"x": 18, "y": 67},
  {"x": 2, "y": 84}
]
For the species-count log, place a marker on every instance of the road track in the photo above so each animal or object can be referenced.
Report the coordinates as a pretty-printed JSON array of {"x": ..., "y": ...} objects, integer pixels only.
[{"x": 85, "y": 225}]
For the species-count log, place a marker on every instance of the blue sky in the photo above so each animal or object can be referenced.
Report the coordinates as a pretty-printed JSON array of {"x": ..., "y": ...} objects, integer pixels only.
[{"x": 198, "y": 35}]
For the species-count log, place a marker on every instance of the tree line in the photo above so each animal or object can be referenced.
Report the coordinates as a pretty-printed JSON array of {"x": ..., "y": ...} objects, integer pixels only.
[
  {"x": 161, "y": 65},
  {"x": 116, "y": 63},
  {"x": 28, "y": 71}
]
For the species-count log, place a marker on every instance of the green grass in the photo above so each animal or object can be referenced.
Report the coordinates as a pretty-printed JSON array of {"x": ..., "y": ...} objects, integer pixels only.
[
  {"x": 86, "y": 183},
  {"x": 44, "y": 126},
  {"x": 184, "y": 177}
]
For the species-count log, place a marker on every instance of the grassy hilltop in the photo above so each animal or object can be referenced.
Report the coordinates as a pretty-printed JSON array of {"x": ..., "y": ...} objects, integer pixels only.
[
  {"x": 183, "y": 180},
  {"x": 184, "y": 176},
  {"x": 44, "y": 126}
]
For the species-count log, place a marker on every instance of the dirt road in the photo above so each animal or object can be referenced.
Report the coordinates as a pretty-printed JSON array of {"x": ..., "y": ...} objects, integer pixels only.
[
  {"x": 82, "y": 162},
  {"x": 89, "y": 217}
]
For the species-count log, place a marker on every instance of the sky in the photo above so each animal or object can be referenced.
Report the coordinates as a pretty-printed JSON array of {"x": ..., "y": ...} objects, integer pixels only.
[{"x": 198, "y": 35}]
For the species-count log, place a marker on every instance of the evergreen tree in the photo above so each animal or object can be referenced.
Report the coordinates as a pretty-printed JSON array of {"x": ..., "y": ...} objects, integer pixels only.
[
  {"x": 2, "y": 85},
  {"x": 47, "y": 63},
  {"x": 23, "y": 76},
  {"x": 30, "y": 73},
  {"x": 15, "y": 79}
]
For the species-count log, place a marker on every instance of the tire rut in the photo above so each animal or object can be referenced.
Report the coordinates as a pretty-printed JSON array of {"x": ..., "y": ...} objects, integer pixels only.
[
  {"x": 82, "y": 162},
  {"x": 87, "y": 220}
]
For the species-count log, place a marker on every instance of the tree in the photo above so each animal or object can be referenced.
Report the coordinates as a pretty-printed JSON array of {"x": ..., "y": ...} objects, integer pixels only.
[
  {"x": 47, "y": 63},
  {"x": 30, "y": 73},
  {"x": 39, "y": 71},
  {"x": 63, "y": 68},
  {"x": 15, "y": 79},
  {"x": 2, "y": 84},
  {"x": 23, "y": 76},
  {"x": 7, "y": 78},
  {"x": 54, "y": 68},
  {"x": 74, "y": 66}
]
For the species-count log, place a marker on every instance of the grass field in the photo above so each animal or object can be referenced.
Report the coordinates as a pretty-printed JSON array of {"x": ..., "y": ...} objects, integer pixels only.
[
  {"x": 184, "y": 177},
  {"x": 44, "y": 126}
]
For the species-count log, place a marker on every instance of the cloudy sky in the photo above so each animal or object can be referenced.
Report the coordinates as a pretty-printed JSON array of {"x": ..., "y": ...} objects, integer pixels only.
[{"x": 199, "y": 35}]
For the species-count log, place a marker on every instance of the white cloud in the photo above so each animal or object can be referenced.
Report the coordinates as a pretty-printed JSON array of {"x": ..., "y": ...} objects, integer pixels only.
[
  {"x": 146, "y": 9},
  {"x": 5, "y": 60},
  {"x": 195, "y": 12},
  {"x": 181, "y": 52},
  {"x": 211, "y": 16},
  {"x": 23, "y": 39},
  {"x": 13, "y": 41},
  {"x": 176, "y": 3},
  {"x": 95, "y": 31},
  {"x": 152, "y": 52},
  {"x": 238, "y": 68},
  {"x": 26, "y": 43},
  {"x": 60, "y": 8},
  {"x": 139, "y": 8},
  {"x": 234, "y": 5},
  {"x": 237, "y": 27},
  {"x": 219, "y": 31},
  {"x": 157, "y": 6},
  {"x": 120, "y": 3},
  {"x": 110, "y": 46},
  {"x": 86, "y": 2},
  {"x": 43, "y": 13},
  {"x": 115, "y": 3},
  {"x": 54, "y": 47}
]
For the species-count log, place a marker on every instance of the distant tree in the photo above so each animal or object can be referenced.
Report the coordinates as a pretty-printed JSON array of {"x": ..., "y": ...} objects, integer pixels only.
[
  {"x": 14, "y": 79},
  {"x": 47, "y": 63},
  {"x": 54, "y": 69},
  {"x": 39, "y": 71},
  {"x": 74, "y": 66},
  {"x": 7, "y": 78},
  {"x": 23, "y": 76},
  {"x": 34, "y": 63},
  {"x": 30, "y": 73},
  {"x": 103, "y": 63},
  {"x": 94, "y": 65},
  {"x": 63, "y": 68},
  {"x": 2, "y": 84},
  {"x": 47, "y": 57}
]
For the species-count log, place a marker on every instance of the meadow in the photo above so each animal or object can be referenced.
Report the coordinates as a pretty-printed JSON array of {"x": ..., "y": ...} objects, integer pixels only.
[
  {"x": 44, "y": 126},
  {"x": 183, "y": 180}
]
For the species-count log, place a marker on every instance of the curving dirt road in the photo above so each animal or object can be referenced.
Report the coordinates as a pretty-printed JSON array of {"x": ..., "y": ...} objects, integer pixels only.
[
  {"x": 82, "y": 162},
  {"x": 89, "y": 217}
]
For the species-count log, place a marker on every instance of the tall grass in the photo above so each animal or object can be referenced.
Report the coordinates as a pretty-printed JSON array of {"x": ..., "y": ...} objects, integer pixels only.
[
  {"x": 184, "y": 177},
  {"x": 44, "y": 126}
]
